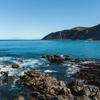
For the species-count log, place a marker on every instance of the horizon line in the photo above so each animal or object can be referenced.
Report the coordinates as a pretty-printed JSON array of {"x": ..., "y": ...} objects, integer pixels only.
[{"x": 18, "y": 39}]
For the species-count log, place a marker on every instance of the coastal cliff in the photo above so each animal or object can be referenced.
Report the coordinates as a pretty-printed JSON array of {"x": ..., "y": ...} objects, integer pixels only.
[{"x": 77, "y": 33}]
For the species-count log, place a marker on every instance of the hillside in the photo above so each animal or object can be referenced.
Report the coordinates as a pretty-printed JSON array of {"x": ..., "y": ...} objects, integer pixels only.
[{"x": 77, "y": 33}]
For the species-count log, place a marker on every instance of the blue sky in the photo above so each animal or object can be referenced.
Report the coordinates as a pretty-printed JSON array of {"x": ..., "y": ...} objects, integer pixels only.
[{"x": 33, "y": 19}]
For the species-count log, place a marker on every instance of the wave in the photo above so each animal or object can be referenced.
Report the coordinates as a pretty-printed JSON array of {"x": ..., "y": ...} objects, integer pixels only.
[{"x": 49, "y": 71}]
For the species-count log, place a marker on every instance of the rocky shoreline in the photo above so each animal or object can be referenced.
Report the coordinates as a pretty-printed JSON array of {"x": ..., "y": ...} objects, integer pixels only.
[
  {"x": 42, "y": 86},
  {"x": 90, "y": 73}
]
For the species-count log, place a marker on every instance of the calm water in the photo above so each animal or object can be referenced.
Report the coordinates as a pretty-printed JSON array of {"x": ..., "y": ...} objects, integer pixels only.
[{"x": 33, "y": 49}]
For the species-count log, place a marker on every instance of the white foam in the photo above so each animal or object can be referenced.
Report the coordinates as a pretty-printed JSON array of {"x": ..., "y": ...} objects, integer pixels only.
[
  {"x": 72, "y": 70},
  {"x": 5, "y": 58},
  {"x": 49, "y": 71},
  {"x": 3, "y": 69},
  {"x": 87, "y": 62},
  {"x": 25, "y": 65}
]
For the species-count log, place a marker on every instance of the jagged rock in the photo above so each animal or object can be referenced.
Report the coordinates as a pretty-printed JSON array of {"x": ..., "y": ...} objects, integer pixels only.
[
  {"x": 87, "y": 91},
  {"x": 83, "y": 98},
  {"x": 90, "y": 72},
  {"x": 44, "y": 85},
  {"x": 54, "y": 58},
  {"x": 61, "y": 83},
  {"x": 60, "y": 58},
  {"x": 37, "y": 96},
  {"x": 15, "y": 66},
  {"x": 97, "y": 96},
  {"x": 82, "y": 91}
]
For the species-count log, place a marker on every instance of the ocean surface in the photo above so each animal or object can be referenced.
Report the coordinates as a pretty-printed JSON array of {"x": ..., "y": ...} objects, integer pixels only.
[
  {"x": 37, "y": 48},
  {"x": 30, "y": 52}
]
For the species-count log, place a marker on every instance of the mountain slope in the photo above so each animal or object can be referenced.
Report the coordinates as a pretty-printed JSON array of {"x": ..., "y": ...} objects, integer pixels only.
[{"x": 78, "y": 33}]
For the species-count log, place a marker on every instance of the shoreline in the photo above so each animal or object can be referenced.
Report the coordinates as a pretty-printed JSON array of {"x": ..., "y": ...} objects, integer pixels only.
[{"x": 76, "y": 87}]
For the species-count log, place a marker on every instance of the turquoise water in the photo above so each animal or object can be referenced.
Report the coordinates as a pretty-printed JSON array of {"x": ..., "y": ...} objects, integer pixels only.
[{"x": 37, "y": 48}]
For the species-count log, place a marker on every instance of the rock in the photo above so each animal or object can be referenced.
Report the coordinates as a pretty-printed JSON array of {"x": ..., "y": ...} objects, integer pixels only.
[
  {"x": 53, "y": 58},
  {"x": 44, "y": 85},
  {"x": 97, "y": 96},
  {"x": 6, "y": 79},
  {"x": 87, "y": 91},
  {"x": 37, "y": 95},
  {"x": 59, "y": 59},
  {"x": 61, "y": 83},
  {"x": 90, "y": 72},
  {"x": 83, "y": 98},
  {"x": 10, "y": 80},
  {"x": 1, "y": 82},
  {"x": 15, "y": 66},
  {"x": 19, "y": 98},
  {"x": 82, "y": 90},
  {"x": 47, "y": 87}
]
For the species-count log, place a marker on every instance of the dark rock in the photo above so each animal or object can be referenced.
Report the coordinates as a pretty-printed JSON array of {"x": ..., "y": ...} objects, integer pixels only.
[
  {"x": 53, "y": 58},
  {"x": 83, "y": 98},
  {"x": 59, "y": 58},
  {"x": 90, "y": 72},
  {"x": 10, "y": 80},
  {"x": 6, "y": 78},
  {"x": 37, "y": 95},
  {"x": 15, "y": 66}
]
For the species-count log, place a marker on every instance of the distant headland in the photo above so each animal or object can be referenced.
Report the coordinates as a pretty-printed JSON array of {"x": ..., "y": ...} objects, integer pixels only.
[{"x": 77, "y": 33}]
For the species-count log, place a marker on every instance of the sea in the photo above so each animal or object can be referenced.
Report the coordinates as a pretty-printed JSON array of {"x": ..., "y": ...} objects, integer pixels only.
[{"x": 31, "y": 51}]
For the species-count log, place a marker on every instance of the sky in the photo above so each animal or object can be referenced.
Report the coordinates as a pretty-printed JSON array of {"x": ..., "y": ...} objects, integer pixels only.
[{"x": 33, "y": 19}]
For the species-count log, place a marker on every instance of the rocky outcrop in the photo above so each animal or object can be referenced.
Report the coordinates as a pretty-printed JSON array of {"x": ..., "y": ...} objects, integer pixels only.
[
  {"x": 83, "y": 91},
  {"x": 60, "y": 58},
  {"x": 45, "y": 87},
  {"x": 90, "y": 72},
  {"x": 78, "y": 33}
]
